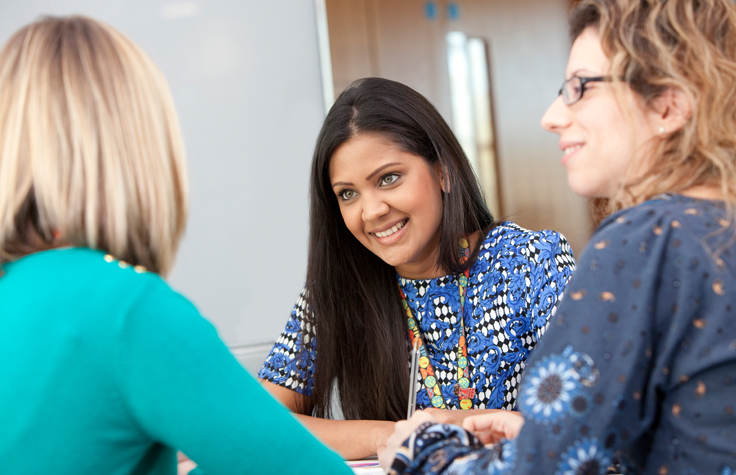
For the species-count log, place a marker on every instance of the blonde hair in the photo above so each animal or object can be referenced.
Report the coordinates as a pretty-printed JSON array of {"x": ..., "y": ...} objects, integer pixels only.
[
  {"x": 690, "y": 46},
  {"x": 90, "y": 148}
]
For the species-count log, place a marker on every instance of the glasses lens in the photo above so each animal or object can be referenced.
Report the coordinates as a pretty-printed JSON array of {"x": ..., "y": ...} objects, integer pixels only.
[{"x": 572, "y": 90}]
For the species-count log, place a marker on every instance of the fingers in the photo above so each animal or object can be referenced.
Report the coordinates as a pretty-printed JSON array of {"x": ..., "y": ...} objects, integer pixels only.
[
  {"x": 402, "y": 431},
  {"x": 404, "y": 428},
  {"x": 183, "y": 468},
  {"x": 445, "y": 416},
  {"x": 386, "y": 458},
  {"x": 491, "y": 428}
]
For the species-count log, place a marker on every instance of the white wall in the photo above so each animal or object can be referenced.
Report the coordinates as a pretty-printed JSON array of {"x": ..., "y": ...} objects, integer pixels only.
[{"x": 246, "y": 82}]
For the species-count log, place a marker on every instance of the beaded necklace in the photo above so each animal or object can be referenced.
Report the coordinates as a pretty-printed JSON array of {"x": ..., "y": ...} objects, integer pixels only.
[{"x": 462, "y": 389}]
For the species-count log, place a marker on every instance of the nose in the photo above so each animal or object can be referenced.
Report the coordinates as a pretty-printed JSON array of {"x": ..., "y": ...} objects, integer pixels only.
[
  {"x": 374, "y": 207},
  {"x": 557, "y": 116}
]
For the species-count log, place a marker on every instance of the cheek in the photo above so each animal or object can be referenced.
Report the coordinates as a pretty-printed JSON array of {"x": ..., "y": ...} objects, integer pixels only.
[
  {"x": 351, "y": 219},
  {"x": 429, "y": 202}
]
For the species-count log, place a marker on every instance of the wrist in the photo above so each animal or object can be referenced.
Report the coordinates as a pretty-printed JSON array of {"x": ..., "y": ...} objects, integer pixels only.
[{"x": 382, "y": 431}]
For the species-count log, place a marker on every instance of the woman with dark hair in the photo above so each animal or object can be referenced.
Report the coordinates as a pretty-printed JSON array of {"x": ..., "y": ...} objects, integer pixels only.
[
  {"x": 638, "y": 367},
  {"x": 403, "y": 248}
]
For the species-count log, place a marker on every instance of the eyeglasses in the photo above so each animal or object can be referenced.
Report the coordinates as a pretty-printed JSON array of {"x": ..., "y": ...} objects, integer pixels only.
[{"x": 572, "y": 89}]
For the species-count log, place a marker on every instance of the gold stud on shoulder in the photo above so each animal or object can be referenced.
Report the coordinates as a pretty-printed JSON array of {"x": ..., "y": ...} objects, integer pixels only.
[{"x": 124, "y": 265}]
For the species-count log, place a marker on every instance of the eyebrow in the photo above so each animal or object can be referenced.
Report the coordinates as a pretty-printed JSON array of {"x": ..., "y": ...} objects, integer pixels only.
[
  {"x": 578, "y": 71},
  {"x": 374, "y": 173},
  {"x": 380, "y": 169}
]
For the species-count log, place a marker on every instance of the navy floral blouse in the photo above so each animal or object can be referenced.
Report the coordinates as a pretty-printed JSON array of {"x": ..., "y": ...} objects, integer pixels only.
[
  {"x": 511, "y": 295},
  {"x": 638, "y": 367}
]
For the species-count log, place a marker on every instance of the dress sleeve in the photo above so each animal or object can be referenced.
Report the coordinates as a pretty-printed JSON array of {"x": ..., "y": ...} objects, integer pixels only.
[
  {"x": 615, "y": 371},
  {"x": 554, "y": 265},
  {"x": 291, "y": 361},
  {"x": 185, "y": 390}
]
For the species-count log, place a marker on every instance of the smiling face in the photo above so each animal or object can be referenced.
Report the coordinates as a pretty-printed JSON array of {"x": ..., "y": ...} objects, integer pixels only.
[
  {"x": 605, "y": 138},
  {"x": 391, "y": 201}
]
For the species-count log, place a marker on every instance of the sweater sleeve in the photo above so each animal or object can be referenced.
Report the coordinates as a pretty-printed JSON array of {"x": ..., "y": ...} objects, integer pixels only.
[{"x": 187, "y": 391}]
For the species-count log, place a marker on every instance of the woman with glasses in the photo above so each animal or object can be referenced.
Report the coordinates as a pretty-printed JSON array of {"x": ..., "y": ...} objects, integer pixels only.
[
  {"x": 638, "y": 367},
  {"x": 104, "y": 369},
  {"x": 402, "y": 249}
]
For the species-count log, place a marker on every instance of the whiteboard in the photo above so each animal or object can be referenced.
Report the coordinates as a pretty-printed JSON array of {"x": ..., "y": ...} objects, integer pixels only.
[{"x": 245, "y": 76}]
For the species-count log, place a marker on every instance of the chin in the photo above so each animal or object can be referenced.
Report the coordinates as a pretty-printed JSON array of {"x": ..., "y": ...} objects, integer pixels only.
[{"x": 581, "y": 187}]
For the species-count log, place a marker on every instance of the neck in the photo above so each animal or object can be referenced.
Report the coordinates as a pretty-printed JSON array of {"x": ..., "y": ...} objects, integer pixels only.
[
  {"x": 432, "y": 271},
  {"x": 704, "y": 192},
  {"x": 420, "y": 274}
]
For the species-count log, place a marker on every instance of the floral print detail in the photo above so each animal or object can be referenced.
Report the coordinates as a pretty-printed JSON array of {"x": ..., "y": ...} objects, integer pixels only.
[
  {"x": 549, "y": 390},
  {"x": 585, "y": 458}
]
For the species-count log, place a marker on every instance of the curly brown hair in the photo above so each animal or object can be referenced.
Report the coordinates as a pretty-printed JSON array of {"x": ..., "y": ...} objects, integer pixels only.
[{"x": 685, "y": 45}]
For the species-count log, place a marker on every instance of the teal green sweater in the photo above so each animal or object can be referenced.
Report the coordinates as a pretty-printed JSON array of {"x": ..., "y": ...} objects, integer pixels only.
[{"x": 105, "y": 370}]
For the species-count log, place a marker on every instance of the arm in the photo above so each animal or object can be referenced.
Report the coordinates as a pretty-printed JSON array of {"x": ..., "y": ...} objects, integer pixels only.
[
  {"x": 288, "y": 374},
  {"x": 185, "y": 390},
  {"x": 351, "y": 439}
]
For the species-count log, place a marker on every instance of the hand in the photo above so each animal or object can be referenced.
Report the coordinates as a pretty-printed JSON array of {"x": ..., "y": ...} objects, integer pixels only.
[
  {"x": 456, "y": 416},
  {"x": 490, "y": 428},
  {"x": 382, "y": 435},
  {"x": 402, "y": 430},
  {"x": 184, "y": 465}
]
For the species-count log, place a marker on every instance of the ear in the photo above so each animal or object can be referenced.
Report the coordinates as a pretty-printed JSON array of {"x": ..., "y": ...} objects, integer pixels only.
[
  {"x": 672, "y": 110},
  {"x": 442, "y": 176}
]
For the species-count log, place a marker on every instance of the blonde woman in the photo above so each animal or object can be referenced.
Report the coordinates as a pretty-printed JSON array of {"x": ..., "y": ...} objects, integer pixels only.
[
  {"x": 103, "y": 368},
  {"x": 638, "y": 367}
]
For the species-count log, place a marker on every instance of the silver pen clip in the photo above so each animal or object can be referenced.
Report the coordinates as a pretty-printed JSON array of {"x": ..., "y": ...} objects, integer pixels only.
[{"x": 413, "y": 378}]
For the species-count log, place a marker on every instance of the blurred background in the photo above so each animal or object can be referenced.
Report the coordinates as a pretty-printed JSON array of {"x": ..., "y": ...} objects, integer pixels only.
[{"x": 252, "y": 81}]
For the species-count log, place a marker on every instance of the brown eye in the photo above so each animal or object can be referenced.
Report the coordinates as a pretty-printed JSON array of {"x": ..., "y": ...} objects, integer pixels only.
[
  {"x": 389, "y": 179},
  {"x": 346, "y": 195}
]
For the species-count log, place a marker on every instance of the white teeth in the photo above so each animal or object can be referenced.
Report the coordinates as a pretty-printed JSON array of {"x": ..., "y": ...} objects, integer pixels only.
[
  {"x": 389, "y": 232},
  {"x": 571, "y": 149}
]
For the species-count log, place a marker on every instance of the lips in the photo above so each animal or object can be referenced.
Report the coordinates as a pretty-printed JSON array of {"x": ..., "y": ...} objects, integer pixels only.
[
  {"x": 569, "y": 149},
  {"x": 388, "y": 232},
  {"x": 572, "y": 148}
]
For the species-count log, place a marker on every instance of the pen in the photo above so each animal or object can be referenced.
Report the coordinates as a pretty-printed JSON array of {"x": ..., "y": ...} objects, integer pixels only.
[{"x": 413, "y": 378}]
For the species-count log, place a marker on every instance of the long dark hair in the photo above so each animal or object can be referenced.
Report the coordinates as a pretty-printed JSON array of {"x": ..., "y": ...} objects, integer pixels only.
[{"x": 362, "y": 341}]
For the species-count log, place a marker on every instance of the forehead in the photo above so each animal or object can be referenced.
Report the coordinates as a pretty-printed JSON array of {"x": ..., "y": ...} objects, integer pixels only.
[
  {"x": 586, "y": 55},
  {"x": 364, "y": 152}
]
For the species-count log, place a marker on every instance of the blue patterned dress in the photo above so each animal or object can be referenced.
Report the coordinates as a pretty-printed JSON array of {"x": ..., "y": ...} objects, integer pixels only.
[
  {"x": 512, "y": 293},
  {"x": 638, "y": 367}
]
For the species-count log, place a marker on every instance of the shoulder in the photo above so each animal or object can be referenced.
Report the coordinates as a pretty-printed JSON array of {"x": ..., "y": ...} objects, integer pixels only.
[
  {"x": 99, "y": 296},
  {"x": 102, "y": 280},
  {"x": 672, "y": 223},
  {"x": 509, "y": 240}
]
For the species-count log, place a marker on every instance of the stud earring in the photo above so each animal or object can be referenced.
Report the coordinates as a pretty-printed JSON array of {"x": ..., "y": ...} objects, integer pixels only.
[{"x": 662, "y": 130}]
